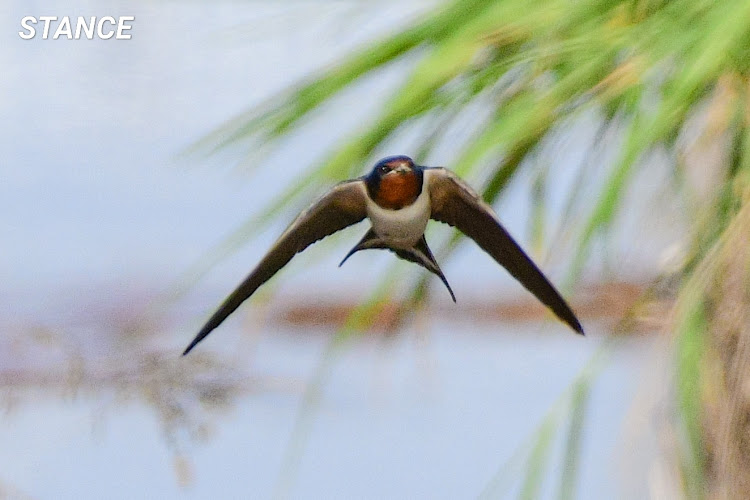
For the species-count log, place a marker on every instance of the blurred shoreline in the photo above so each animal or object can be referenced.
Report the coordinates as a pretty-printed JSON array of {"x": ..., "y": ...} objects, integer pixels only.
[
  {"x": 143, "y": 308},
  {"x": 611, "y": 302}
]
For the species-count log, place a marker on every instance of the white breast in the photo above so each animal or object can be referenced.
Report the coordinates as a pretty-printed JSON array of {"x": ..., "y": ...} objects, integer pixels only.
[{"x": 401, "y": 228}]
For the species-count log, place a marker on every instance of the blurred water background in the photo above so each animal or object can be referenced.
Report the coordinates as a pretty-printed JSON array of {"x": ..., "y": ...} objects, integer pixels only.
[{"x": 102, "y": 218}]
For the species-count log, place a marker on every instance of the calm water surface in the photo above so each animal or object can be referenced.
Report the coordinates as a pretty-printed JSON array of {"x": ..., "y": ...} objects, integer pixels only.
[{"x": 425, "y": 417}]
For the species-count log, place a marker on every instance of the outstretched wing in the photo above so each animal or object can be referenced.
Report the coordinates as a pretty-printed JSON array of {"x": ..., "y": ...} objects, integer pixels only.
[
  {"x": 341, "y": 207},
  {"x": 454, "y": 202}
]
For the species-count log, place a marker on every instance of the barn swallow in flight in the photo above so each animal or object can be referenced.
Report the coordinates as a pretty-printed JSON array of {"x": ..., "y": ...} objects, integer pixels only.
[{"x": 399, "y": 198}]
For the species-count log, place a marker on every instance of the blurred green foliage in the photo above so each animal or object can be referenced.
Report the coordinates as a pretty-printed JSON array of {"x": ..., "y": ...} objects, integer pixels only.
[{"x": 647, "y": 67}]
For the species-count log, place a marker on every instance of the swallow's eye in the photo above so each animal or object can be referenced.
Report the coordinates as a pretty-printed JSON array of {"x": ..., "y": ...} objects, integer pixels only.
[{"x": 383, "y": 169}]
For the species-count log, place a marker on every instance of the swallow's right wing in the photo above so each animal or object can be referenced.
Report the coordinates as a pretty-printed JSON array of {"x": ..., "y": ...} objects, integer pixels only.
[
  {"x": 455, "y": 203},
  {"x": 341, "y": 207}
]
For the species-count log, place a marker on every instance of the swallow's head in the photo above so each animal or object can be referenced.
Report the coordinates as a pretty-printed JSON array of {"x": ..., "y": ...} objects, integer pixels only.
[
  {"x": 393, "y": 165},
  {"x": 395, "y": 182}
]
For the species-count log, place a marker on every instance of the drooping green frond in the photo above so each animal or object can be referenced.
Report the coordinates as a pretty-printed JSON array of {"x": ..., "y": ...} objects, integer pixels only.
[{"x": 510, "y": 74}]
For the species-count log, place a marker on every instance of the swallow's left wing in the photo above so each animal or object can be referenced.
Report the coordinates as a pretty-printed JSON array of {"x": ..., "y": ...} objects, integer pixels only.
[
  {"x": 341, "y": 207},
  {"x": 455, "y": 203}
]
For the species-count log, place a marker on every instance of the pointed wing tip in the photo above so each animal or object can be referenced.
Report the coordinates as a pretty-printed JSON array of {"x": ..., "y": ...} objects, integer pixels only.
[
  {"x": 576, "y": 325},
  {"x": 201, "y": 335},
  {"x": 190, "y": 347}
]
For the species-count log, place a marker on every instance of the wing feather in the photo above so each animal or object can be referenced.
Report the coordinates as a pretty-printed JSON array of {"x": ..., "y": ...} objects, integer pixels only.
[
  {"x": 455, "y": 203},
  {"x": 341, "y": 207}
]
